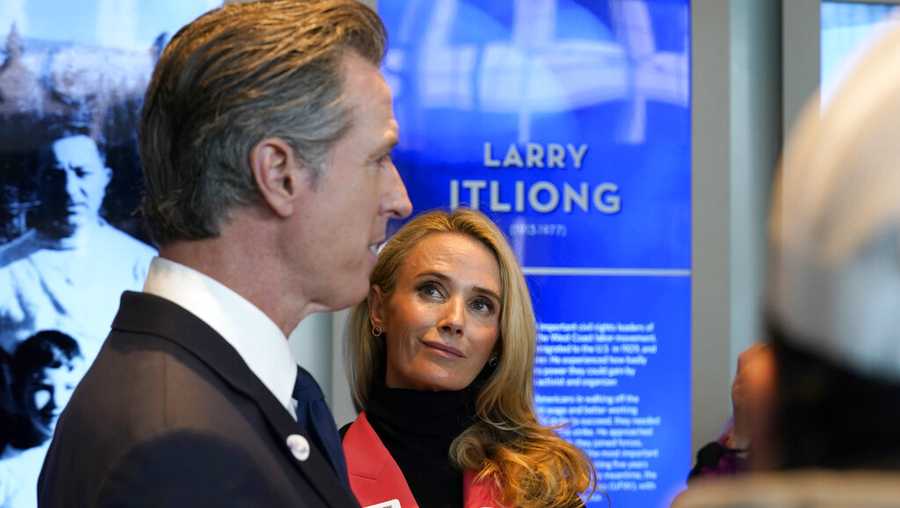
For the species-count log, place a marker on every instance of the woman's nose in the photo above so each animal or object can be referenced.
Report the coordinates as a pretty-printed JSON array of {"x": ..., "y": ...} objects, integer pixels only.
[{"x": 454, "y": 317}]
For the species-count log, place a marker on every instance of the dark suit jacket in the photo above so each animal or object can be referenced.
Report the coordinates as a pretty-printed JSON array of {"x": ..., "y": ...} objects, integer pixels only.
[{"x": 170, "y": 415}]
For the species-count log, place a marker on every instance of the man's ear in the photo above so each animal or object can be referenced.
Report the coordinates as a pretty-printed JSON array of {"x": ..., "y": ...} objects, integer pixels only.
[
  {"x": 376, "y": 306},
  {"x": 280, "y": 176}
]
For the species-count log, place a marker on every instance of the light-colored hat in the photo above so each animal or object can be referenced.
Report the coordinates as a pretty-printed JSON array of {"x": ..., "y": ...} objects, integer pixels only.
[{"x": 834, "y": 276}]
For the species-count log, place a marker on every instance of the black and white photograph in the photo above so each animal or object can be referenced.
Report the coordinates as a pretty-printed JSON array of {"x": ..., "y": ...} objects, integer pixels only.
[{"x": 72, "y": 78}]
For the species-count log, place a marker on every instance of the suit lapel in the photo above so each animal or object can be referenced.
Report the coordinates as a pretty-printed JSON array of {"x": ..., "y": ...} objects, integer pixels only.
[
  {"x": 150, "y": 314},
  {"x": 374, "y": 475}
]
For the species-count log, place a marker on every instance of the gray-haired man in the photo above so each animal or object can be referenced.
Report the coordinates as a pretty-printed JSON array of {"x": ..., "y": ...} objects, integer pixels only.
[{"x": 265, "y": 139}]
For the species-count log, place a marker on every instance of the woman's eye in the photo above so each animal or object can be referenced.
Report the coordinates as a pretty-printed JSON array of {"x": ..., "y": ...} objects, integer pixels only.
[
  {"x": 483, "y": 305},
  {"x": 430, "y": 290}
]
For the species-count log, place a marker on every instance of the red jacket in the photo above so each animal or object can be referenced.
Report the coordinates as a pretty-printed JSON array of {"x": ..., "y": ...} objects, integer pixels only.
[{"x": 376, "y": 479}]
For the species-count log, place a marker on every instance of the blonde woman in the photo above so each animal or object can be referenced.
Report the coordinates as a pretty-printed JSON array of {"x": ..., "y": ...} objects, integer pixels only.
[{"x": 440, "y": 358}]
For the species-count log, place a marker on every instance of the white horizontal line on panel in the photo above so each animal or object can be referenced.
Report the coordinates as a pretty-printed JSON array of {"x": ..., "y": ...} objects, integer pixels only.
[{"x": 607, "y": 272}]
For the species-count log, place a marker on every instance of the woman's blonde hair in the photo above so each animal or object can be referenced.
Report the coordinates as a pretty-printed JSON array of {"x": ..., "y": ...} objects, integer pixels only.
[{"x": 529, "y": 463}]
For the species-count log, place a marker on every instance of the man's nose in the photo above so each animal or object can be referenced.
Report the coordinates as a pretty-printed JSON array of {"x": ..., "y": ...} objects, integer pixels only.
[
  {"x": 397, "y": 201},
  {"x": 55, "y": 400},
  {"x": 74, "y": 185}
]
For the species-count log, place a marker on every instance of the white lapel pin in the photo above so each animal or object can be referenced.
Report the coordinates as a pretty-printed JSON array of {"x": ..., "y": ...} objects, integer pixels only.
[{"x": 299, "y": 446}]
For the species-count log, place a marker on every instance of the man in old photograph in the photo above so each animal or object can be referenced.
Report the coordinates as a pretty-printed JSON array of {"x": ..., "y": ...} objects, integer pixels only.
[{"x": 68, "y": 270}]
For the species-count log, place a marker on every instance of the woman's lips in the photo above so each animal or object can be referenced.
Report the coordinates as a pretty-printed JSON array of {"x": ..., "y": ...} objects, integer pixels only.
[{"x": 443, "y": 348}]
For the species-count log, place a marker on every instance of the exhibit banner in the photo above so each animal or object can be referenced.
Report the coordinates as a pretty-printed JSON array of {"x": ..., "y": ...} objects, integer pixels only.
[
  {"x": 72, "y": 78},
  {"x": 568, "y": 123}
]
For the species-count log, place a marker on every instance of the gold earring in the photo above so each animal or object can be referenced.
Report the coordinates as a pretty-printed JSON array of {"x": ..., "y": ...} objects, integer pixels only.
[{"x": 377, "y": 331}]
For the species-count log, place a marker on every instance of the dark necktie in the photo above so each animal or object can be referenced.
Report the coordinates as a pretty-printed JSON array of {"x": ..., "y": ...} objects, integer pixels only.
[{"x": 315, "y": 418}]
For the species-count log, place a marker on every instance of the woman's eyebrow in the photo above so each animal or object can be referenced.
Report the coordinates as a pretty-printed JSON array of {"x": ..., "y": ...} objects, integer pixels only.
[
  {"x": 488, "y": 292},
  {"x": 445, "y": 278},
  {"x": 432, "y": 273}
]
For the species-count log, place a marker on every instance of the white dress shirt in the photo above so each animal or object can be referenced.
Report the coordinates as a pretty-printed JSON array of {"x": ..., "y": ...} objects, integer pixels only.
[
  {"x": 74, "y": 290},
  {"x": 257, "y": 339}
]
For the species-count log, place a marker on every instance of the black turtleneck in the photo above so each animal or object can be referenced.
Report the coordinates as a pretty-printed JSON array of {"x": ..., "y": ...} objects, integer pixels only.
[{"x": 417, "y": 429}]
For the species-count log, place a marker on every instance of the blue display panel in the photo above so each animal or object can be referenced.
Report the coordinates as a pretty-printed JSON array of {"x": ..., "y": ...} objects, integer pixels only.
[
  {"x": 846, "y": 29},
  {"x": 568, "y": 122}
]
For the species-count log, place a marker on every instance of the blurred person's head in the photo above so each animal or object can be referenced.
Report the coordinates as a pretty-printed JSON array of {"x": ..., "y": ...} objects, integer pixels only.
[
  {"x": 46, "y": 368},
  {"x": 834, "y": 281},
  {"x": 276, "y": 112},
  {"x": 71, "y": 184}
]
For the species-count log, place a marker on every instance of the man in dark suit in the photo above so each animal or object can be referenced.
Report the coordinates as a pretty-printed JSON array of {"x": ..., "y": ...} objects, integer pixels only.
[{"x": 265, "y": 140}]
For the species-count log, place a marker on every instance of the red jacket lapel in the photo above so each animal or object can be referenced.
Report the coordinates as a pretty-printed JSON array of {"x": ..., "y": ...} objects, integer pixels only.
[
  {"x": 374, "y": 475},
  {"x": 376, "y": 478}
]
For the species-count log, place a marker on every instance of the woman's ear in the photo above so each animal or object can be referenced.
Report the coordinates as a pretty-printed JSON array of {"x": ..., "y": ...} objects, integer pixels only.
[{"x": 376, "y": 306}]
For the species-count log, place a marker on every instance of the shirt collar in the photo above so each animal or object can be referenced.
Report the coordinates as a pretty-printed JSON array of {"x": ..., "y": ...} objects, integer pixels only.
[{"x": 257, "y": 339}]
